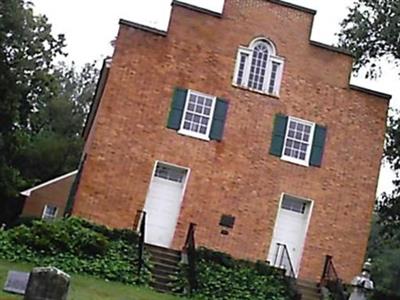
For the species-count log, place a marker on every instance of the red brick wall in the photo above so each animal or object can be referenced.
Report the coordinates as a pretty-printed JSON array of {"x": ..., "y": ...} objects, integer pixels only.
[
  {"x": 237, "y": 176},
  {"x": 53, "y": 194}
]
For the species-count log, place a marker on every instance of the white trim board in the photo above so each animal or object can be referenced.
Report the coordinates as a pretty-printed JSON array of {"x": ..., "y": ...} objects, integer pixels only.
[{"x": 28, "y": 192}]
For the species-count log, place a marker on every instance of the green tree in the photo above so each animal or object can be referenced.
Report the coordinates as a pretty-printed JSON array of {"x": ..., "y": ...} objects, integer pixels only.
[
  {"x": 371, "y": 33},
  {"x": 54, "y": 144},
  {"x": 27, "y": 50},
  {"x": 385, "y": 255},
  {"x": 43, "y": 106}
]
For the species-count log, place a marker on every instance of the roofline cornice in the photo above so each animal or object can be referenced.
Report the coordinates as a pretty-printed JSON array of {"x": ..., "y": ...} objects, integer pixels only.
[
  {"x": 370, "y": 92},
  {"x": 332, "y": 48},
  {"x": 294, "y": 6},
  {"x": 143, "y": 27},
  {"x": 196, "y": 8}
]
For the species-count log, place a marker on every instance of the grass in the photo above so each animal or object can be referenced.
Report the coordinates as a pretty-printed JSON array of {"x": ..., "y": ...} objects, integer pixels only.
[{"x": 88, "y": 288}]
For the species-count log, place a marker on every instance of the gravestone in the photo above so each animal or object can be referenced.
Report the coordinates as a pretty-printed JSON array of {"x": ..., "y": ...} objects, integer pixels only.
[
  {"x": 16, "y": 282},
  {"x": 47, "y": 284}
]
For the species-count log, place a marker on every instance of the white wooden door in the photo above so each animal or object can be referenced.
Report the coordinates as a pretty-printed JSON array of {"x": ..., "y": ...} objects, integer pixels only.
[
  {"x": 290, "y": 230},
  {"x": 163, "y": 203}
]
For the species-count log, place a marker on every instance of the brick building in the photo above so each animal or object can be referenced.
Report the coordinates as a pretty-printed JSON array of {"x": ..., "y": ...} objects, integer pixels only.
[
  {"x": 236, "y": 122},
  {"x": 48, "y": 200}
]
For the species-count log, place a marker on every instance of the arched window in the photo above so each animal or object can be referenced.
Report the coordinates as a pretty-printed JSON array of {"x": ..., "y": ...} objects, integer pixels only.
[{"x": 258, "y": 68}]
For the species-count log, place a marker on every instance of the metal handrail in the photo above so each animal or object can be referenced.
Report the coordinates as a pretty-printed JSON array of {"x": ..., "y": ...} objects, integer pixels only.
[
  {"x": 141, "y": 239},
  {"x": 331, "y": 280},
  {"x": 283, "y": 260},
  {"x": 189, "y": 249}
]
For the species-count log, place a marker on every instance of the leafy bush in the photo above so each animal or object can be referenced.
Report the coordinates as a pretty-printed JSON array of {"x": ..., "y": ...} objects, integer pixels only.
[
  {"x": 222, "y": 277},
  {"x": 76, "y": 246}
]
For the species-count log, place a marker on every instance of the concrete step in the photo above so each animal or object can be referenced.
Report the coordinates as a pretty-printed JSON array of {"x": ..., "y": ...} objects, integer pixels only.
[
  {"x": 164, "y": 260},
  {"x": 165, "y": 264},
  {"x": 305, "y": 283},
  {"x": 163, "y": 251},
  {"x": 309, "y": 290},
  {"x": 167, "y": 268},
  {"x": 161, "y": 271},
  {"x": 160, "y": 287}
]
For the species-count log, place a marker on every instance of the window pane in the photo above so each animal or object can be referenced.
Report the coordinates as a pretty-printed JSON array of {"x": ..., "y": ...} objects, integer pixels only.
[
  {"x": 170, "y": 173},
  {"x": 258, "y": 66},
  {"x": 272, "y": 81},
  {"x": 197, "y": 113},
  {"x": 50, "y": 212},
  {"x": 293, "y": 204},
  {"x": 297, "y": 141},
  {"x": 242, "y": 65}
]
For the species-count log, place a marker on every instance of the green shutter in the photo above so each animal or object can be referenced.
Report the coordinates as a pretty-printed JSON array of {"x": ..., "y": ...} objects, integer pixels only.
[
  {"x": 317, "y": 150},
  {"x": 177, "y": 107},
  {"x": 278, "y": 135},
  {"x": 218, "y": 122}
]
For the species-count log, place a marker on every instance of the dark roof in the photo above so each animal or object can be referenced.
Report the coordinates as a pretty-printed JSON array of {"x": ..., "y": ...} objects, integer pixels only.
[
  {"x": 197, "y": 8},
  {"x": 142, "y": 27},
  {"x": 294, "y": 6},
  {"x": 371, "y": 92},
  {"x": 331, "y": 48}
]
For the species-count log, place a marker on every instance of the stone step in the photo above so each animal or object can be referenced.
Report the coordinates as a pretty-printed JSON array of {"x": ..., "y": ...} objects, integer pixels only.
[
  {"x": 164, "y": 271},
  {"x": 305, "y": 283},
  {"x": 160, "y": 287},
  {"x": 171, "y": 268},
  {"x": 165, "y": 264},
  {"x": 310, "y": 298},
  {"x": 309, "y": 290},
  {"x": 309, "y": 293},
  {"x": 163, "y": 251},
  {"x": 164, "y": 260}
]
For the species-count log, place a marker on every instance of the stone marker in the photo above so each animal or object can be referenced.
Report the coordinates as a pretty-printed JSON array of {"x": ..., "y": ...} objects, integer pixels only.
[
  {"x": 16, "y": 282},
  {"x": 47, "y": 284}
]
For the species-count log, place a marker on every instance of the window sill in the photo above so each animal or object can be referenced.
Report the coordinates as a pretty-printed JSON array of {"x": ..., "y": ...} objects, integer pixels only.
[
  {"x": 194, "y": 135},
  {"x": 276, "y": 96},
  {"x": 295, "y": 161}
]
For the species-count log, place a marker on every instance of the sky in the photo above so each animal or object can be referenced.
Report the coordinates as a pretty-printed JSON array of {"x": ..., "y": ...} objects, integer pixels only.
[{"x": 91, "y": 25}]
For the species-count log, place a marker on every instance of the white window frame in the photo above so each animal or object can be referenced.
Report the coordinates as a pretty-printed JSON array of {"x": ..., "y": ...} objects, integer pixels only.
[
  {"x": 306, "y": 161},
  {"x": 205, "y": 136},
  {"x": 47, "y": 216},
  {"x": 248, "y": 51},
  {"x": 279, "y": 72}
]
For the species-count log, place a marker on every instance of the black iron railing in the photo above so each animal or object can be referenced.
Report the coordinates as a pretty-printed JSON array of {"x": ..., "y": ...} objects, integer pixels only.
[
  {"x": 140, "y": 226},
  {"x": 189, "y": 249},
  {"x": 282, "y": 260},
  {"x": 331, "y": 280}
]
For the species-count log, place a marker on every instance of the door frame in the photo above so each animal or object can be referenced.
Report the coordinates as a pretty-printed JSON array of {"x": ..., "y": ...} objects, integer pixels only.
[
  {"x": 188, "y": 171},
  {"x": 311, "y": 205}
]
